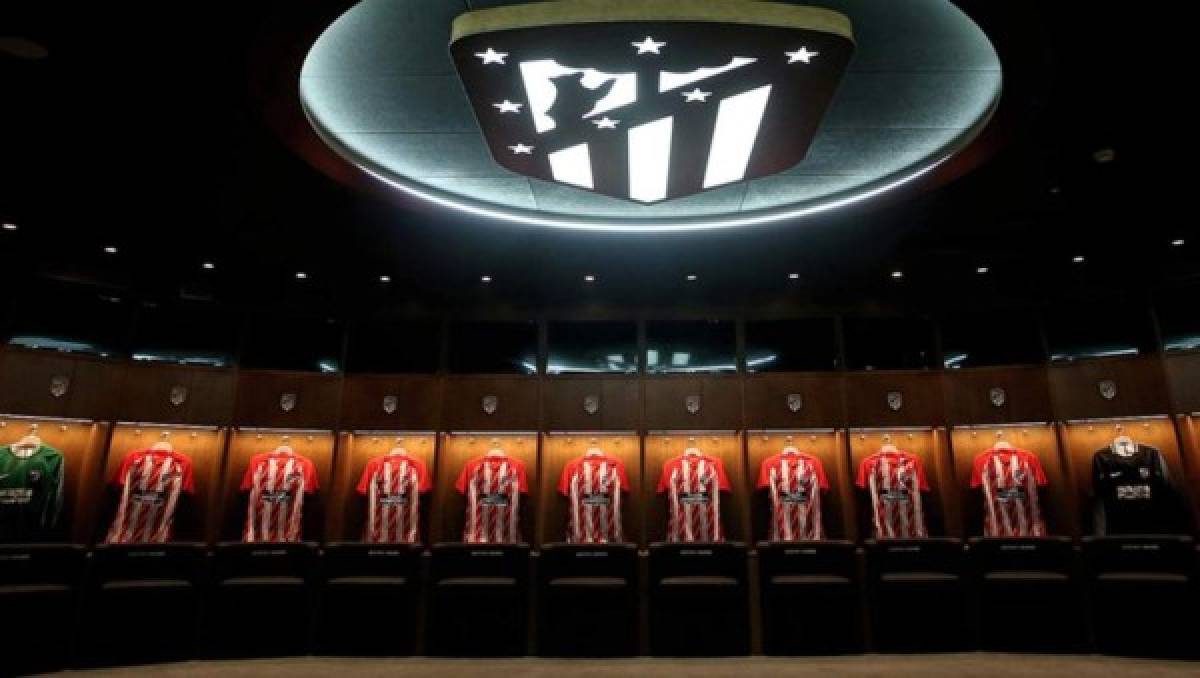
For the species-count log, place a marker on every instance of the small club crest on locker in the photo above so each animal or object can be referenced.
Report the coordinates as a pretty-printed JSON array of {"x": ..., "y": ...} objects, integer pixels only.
[
  {"x": 1108, "y": 389},
  {"x": 390, "y": 403},
  {"x": 591, "y": 403},
  {"x": 490, "y": 404},
  {"x": 895, "y": 400},
  {"x": 287, "y": 402},
  {"x": 692, "y": 404},
  {"x": 997, "y": 396},
  {"x": 59, "y": 385},
  {"x": 795, "y": 402},
  {"x": 178, "y": 395}
]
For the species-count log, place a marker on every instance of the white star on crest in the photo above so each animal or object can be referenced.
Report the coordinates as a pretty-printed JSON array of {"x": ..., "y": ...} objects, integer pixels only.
[
  {"x": 507, "y": 106},
  {"x": 801, "y": 55},
  {"x": 521, "y": 149},
  {"x": 605, "y": 123},
  {"x": 648, "y": 46},
  {"x": 697, "y": 95},
  {"x": 491, "y": 56}
]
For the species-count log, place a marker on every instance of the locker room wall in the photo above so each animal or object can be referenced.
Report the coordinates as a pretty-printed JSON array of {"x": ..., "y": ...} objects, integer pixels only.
[
  {"x": 726, "y": 446},
  {"x": 1189, "y": 429},
  {"x": 82, "y": 445},
  {"x": 1141, "y": 389},
  {"x": 1183, "y": 377},
  {"x": 1084, "y": 438},
  {"x": 563, "y": 403},
  {"x": 455, "y": 450},
  {"x": 837, "y": 505},
  {"x": 1056, "y": 499},
  {"x": 943, "y": 517},
  {"x": 146, "y": 394},
  {"x": 260, "y": 392},
  {"x": 560, "y": 448},
  {"x": 318, "y": 446},
  {"x": 516, "y": 403},
  {"x": 822, "y": 397},
  {"x": 867, "y": 399},
  {"x": 196, "y": 516},
  {"x": 720, "y": 403},
  {"x": 26, "y": 377},
  {"x": 968, "y": 395},
  {"x": 418, "y": 402},
  {"x": 347, "y": 512}
]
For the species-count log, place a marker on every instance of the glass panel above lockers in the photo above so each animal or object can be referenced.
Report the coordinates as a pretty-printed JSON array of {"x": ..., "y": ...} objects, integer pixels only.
[
  {"x": 299, "y": 343},
  {"x": 889, "y": 343},
  {"x": 68, "y": 317},
  {"x": 691, "y": 346},
  {"x": 186, "y": 333},
  {"x": 1109, "y": 331},
  {"x": 799, "y": 345},
  {"x": 592, "y": 347},
  {"x": 991, "y": 339},
  {"x": 394, "y": 346},
  {"x": 493, "y": 347},
  {"x": 1179, "y": 319}
]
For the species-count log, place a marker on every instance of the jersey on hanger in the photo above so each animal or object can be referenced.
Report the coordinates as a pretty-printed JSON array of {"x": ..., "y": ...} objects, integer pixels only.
[
  {"x": 493, "y": 486},
  {"x": 31, "y": 494},
  {"x": 795, "y": 481},
  {"x": 1134, "y": 493},
  {"x": 151, "y": 483},
  {"x": 693, "y": 484},
  {"x": 1010, "y": 479},
  {"x": 593, "y": 486},
  {"x": 277, "y": 483},
  {"x": 393, "y": 485},
  {"x": 895, "y": 481}
]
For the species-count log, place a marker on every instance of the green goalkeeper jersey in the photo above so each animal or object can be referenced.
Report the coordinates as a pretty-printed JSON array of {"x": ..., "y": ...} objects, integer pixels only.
[{"x": 31, "y": 494}]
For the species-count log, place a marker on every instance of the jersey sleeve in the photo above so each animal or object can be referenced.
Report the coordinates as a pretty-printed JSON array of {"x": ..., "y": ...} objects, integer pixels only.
[
  {"x": 311, "y": 485},
  {"x": 248, "y": 477},
  {"x": 722, "y": 478},
  {"x": 922, "y": 478},
  {"x": 864, "y": 469},
  {"x": 977, "y": 469},
  {"x": 821, "y": 477},
  {"x": 664, "y": 478},
  {"x": 461, "y": 483},
  {"x": 364, "y": 482},
  {"x": 622, "y": 475},
  {"x": 424, "y": 482},
  {"x": 122, "y": 472},
  {"x": 764, "y": 473},
  {"x": 189, "y": 474},
  {"x": 1039, "y": 473},
  {"x": 522, "y": 479},
  {"x": 564, "y": 480}
]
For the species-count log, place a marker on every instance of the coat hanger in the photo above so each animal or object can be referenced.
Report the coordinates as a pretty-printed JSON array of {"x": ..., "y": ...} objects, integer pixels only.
[
  {"x": 397, "y": 451},
  {"x": 888, "y": 447},
  {"x": 496, "y": 451},
  {"x": 1001, "y": 443},
  {"x": 284, "y": 447},
  {"x": 164, "y": 444}
]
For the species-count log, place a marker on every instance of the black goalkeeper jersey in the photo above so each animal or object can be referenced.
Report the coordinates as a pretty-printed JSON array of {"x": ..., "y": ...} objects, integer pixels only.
[{"x": 1134, "y": 493}]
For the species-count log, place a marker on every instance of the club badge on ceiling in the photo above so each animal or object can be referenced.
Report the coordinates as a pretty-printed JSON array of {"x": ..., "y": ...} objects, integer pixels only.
[{"x": 645, "y": 102}]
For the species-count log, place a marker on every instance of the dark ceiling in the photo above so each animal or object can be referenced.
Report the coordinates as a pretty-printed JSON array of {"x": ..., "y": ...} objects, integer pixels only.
[{"x": 162, "y": 130}]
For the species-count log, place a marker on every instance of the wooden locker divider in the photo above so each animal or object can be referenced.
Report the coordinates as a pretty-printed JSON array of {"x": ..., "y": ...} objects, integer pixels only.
[
  {"x": 82, "y": 443},
  {"x": 725, "y": 445},
  {"x": 1084, "y": 437},
  {"x": 837, "y": 505},
  {"x": 558, "y": 448},
  {"x": 942, "y": 515},
  {"x": 195, "y": 520},
  {"x": 1189, "y": 429},
  {"x": 245, "y": 442},
  {"x": 1056, "y": 499},
  {"x": 455, "y": 450},
  {"x": 347, "y": 511}
]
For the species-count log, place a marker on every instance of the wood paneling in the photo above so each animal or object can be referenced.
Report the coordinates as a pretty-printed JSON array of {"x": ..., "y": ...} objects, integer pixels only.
[
  {"x": 1026, "y": 395},
  {"x": 560, "y": 448},
  {"x": 26, "y": 376},
  {"x": 516, "y": 408},
  {"x": 720, "y": 402},
  {"x": 837, "y": 505},
  {"x": 82, "y": 445},
  {"x": 147, "y": 390},
  {"x": 728, "y": 447},
  {"x": 318, "y": 446},
  {"x": 943, "y": 517},
  {"x": 196, "y": 516},
  {"x": 455, "y": 451},
  {"x": 821, "y": 395},
  {"x": 1183, "y": 376},
  {"x": 1056, "y": 499},
  {"x": 1084, "y": 439},
  {"x": 1189, "y": 428},
  {"x": 867, "y": 399},
  {"x": 318, "y": 399},
  {"x": 347, "y": 513},
  {"x": 620, "y": 403},
  {"x": 418, "y": 398},
  {"x": 1141, "y": 388}
]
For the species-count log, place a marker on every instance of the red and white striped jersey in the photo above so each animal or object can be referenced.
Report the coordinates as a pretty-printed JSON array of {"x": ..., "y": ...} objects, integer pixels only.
[
  {"x": 393, "y": 485},
  {"x": 493, "y": 485},
  {"x": 593, "y": 485},
  {"x": 1010, "y": 478},
  {"x": 795, "y": 481},
  {"x": 895, "y": 481},
  {"x": 277, "y": 482},
  {"x": 151, "y": 483},
  {"x": 693, "y": 484}
]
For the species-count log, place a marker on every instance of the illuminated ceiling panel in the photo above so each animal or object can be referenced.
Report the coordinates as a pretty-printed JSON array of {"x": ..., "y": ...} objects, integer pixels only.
[{"x": 649, "y": 123}]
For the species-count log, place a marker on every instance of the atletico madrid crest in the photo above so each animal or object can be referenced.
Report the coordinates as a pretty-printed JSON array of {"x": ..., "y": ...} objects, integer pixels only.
[{"x": 650, "y": 101}]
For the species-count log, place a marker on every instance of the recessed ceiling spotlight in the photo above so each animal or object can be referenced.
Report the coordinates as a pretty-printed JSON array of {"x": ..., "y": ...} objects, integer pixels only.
[
  {"x": 385, "y": 278},
  {"x": 793, "y": 276},
  {"x": 692, "y": 277},
  {"x": 485, "y": 278},
  {"x": 1178, "y": 242},
  {"x": 110, "y": 250},
  {"x": 208, "y": 265},
  {"x": 1055, "y": 190},
  {"x": 1104, "y": 156},
  {"x": 1079, "y": 259},
  {"x": 23, "y": 48},
  {"x": 589, "y": 278},
  {"x": 9, "y": 226},
  {"x": 301, "y": 275},
  {"x": 982, "y": 270},
  {"x": 897, "y": 274}
]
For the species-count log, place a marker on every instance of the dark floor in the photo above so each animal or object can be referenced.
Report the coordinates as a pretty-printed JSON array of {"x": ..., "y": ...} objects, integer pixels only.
[{"x": 889, "y": 666}]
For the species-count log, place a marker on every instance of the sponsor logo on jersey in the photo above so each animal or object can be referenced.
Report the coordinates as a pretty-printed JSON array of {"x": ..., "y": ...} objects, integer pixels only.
[
  {"x": 694, "y": 497},
  {"x": 797, "y": 497},
  {"x": 493, "y": 499},
  {"x": 596, "y": 500}
]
